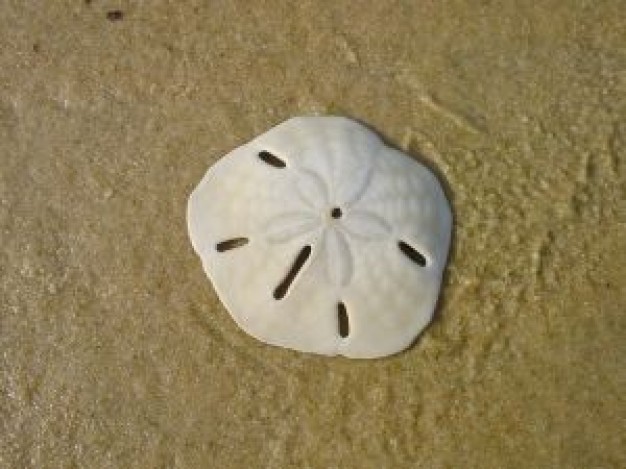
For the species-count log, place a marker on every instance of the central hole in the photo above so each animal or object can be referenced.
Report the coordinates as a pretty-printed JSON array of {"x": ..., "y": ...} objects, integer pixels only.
[{"x": 336, "y": 212}]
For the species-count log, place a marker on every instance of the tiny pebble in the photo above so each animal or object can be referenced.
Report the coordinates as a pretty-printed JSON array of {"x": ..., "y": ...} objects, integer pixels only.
[{"x": 115, "y": 15}]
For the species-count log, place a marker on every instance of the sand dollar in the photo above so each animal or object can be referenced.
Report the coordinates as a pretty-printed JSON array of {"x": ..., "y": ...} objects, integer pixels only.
[{"x": 319, "y": 237}]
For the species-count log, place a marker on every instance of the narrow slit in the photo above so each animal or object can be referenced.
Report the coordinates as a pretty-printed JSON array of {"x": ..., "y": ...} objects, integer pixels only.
[
  {"x": 231, "y": 244},
  {"x": 344, "y": 322},
  {"x": 271, "y": 159},
  {"x": 412, "y": 254},
  {"x": 283, "y": 287}
]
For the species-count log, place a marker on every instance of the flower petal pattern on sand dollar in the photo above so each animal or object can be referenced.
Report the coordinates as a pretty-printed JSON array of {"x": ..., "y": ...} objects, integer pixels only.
[
  {"x": 351, "y": 189},
  {"x": 366, "y": 225},
  {"x": 288, "y": 226},
  {"x": 338, "y": 257},
  {"x": 311, "y": 189}
]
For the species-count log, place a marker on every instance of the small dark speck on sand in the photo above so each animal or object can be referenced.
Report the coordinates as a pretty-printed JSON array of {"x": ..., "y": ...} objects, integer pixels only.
[{"x": 115, "y": 15}]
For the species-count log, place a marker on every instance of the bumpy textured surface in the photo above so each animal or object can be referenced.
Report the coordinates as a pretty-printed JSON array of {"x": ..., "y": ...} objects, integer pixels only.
[
  {"x": 371, "y": 224},
  {"x": 116, "y": 353}
]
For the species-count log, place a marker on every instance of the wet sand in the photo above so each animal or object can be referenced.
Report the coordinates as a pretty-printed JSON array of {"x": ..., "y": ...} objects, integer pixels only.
[{"x": 115, "y": 350}]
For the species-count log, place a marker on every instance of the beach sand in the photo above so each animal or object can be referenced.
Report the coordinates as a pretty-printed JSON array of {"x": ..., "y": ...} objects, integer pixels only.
[{"x": 115, "y": 351}]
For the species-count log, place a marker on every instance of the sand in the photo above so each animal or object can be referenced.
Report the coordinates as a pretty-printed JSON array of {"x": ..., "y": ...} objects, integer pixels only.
[{"x": 115, "y": 352}]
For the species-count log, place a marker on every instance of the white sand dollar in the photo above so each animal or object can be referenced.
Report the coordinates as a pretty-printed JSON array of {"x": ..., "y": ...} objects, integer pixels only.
[{"x": 319, "y": 237}]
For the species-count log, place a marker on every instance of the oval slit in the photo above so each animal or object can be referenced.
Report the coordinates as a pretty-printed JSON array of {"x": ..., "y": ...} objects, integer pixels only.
[
  {"x": 283, "y": 287},
  {"x": 412, "y": 253},
  {"x": 272, "y": 159},
  {"x": 229, "y": 244},
  {"x": 343, "y": 320}
]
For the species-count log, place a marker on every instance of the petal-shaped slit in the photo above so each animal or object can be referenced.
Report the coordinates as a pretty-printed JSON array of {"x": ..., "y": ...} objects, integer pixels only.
[
  {"x": 289, "y": 226},
  {"x": 366, "y": 225},
  {"x": 338, "y": 258}
]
